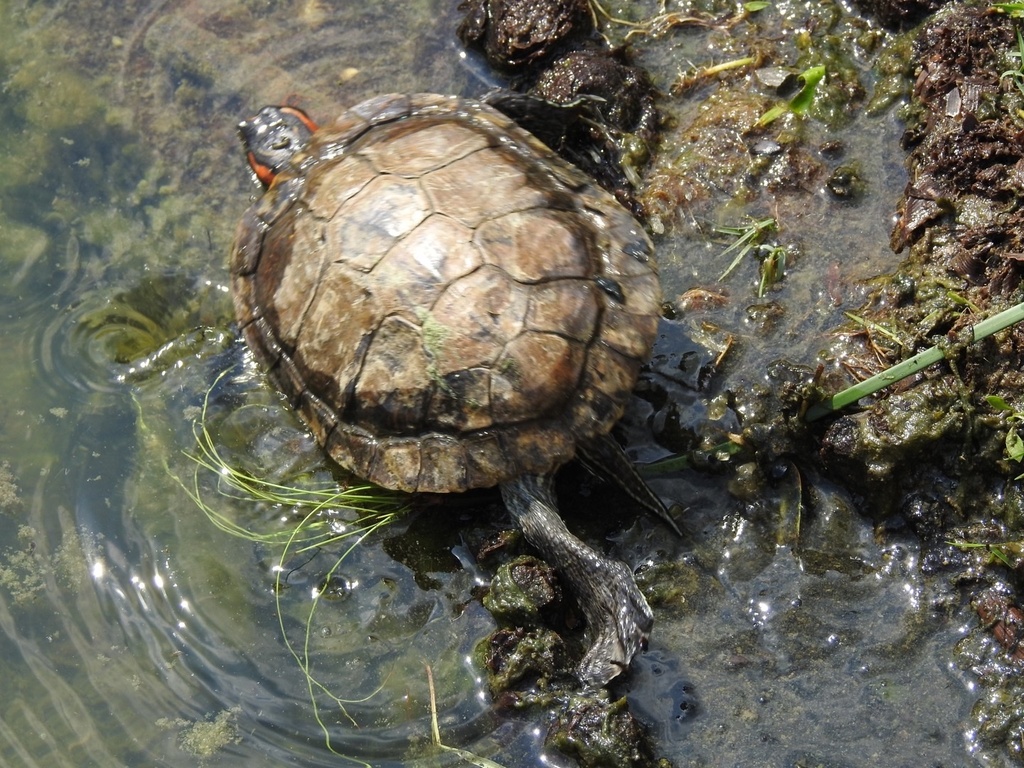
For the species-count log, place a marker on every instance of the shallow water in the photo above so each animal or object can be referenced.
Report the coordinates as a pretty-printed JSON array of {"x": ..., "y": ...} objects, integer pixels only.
[{"x": 136, "y": 633}]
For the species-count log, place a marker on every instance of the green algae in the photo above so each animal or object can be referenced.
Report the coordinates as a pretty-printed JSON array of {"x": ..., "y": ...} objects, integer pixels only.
[
  {"x": 205, "y": 738},
  {"x": 10, "y": 493},
  {"x": 27, "y": 569},
  {"x": 23, "y": 572},
  {"x": 535, "y": 657},
  {"x": 520, "y": 590},
  {"x": 602, "y": 734}
]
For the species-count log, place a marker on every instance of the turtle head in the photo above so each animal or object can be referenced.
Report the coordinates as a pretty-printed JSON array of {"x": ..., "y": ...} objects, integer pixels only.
[{"x": 272, "y": 136}]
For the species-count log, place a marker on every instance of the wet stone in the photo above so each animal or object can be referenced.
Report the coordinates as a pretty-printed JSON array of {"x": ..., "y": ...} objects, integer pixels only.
[
  {"x": 899, "y": 14},
  {"x": 521, "y": 591},
  {"x": 600, "y": 733},
  {"x": 514, "y": 656},
  {"x": 516, "y": 33},
  {"x": 627, "y": 97}
]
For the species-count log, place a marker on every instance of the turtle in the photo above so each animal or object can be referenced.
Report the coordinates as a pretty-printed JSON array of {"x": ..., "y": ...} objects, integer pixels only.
[{"x": 449, "y": 305}]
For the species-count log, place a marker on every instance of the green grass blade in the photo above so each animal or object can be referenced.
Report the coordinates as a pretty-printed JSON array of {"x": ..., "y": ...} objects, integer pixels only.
[{"x": 911, "y": 365}]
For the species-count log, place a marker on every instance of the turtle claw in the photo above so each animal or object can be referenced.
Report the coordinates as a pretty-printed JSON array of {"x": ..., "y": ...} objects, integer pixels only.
[
  {"x": 619, "y": 621},
  {"x": 618, "y": 617}
]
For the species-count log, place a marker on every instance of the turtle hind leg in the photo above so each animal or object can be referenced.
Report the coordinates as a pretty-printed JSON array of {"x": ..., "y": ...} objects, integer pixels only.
[
  {"x": 606, "y": 459},
  {"x": 618, "y": 617}
]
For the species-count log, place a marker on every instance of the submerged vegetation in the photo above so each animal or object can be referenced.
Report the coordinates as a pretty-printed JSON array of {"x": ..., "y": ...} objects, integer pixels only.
[
  {"x": 324, "y": 516},
  {"x": 206, "y": 738},
  {"x": 750, "y": 239},
  {"x": 30, "y": 567},
  {"x": 317, "y": 510}
]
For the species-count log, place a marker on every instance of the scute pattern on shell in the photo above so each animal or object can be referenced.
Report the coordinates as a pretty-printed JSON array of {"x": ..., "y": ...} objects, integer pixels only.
[{"x": 422, "y": 283}]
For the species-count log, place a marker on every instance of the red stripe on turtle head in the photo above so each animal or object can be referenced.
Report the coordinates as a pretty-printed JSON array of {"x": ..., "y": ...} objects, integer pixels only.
[{"x": 272, "y": 137}]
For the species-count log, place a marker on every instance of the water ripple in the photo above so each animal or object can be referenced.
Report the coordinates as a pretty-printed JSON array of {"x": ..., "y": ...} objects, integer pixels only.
[{"x": 97, "y": 343}]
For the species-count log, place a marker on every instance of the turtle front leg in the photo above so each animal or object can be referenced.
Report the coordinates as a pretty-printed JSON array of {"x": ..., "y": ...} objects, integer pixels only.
[{"x": 618, "y": 617}]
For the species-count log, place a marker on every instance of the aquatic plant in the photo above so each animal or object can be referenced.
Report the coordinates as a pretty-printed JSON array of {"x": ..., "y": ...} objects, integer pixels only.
[
  {"x": 749, "y": 239},
  {"x": 912, "y": 365},
  {"x": 1007, "y": 553},
  {"x": 1015, "y": 418},
  {"x": 660, "y": 24},
  {"x": 1013, "y": 10},
  {"x": 324, "y": 515},
  {"x": 1016, "y": 74},
  {"x": 318, "y": 527},
  {"x": 435, "y": 732},
  {"x": 803, "y": 99}
]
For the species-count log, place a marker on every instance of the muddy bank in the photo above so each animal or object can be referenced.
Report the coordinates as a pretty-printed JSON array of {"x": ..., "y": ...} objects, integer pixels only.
[
  {"x": 960, "y": 223},
  {"x": 938, "y": 452}
]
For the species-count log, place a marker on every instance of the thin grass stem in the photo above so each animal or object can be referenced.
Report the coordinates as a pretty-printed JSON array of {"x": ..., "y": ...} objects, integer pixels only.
[{"x": 911, "y": 365}]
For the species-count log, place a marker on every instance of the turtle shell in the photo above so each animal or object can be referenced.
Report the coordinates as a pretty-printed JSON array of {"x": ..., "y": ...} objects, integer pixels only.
[{"x": 445, "y": 301}]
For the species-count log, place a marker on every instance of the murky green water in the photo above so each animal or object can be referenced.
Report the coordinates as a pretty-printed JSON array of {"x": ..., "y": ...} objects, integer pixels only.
[{"x": 135, "y": 633}]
